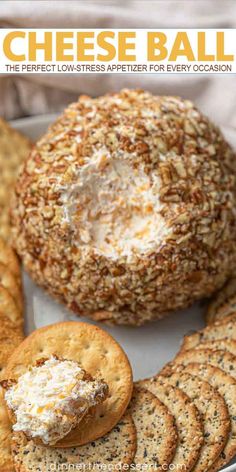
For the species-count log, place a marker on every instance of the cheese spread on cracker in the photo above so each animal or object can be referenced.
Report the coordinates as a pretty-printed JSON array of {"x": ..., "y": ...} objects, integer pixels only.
[{"x": 52, "y": 397}]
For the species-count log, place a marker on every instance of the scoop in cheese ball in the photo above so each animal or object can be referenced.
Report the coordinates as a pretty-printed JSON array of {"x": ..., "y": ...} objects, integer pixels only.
[
  {"x": 51, "y": 399},
  {"x": 125, "y": 209}
]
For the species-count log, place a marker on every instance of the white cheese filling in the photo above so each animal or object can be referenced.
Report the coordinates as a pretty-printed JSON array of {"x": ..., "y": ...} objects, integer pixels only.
[
  {"x": 114, "y": 207},
  {"x": 50, "y": 399}
]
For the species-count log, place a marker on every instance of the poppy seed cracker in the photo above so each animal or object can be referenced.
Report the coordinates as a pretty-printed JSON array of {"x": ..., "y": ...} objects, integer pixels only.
[
  {"x": 223, "y": 329},
  {"x": 214, "y": 414},
  {"x": 156, "y": 431},
  {"x": 226, "y": 386},
  {"x": 116, "y": 448},
  {"x": 187, "y": 420},
  {"x": 222, "y": 359},
  {"x": 217, "y": 307},
  {"x": 228, "y": 345}
]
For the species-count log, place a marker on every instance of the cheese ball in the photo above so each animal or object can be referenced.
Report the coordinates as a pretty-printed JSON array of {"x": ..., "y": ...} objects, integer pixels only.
[{"x": 125, "y": 209}]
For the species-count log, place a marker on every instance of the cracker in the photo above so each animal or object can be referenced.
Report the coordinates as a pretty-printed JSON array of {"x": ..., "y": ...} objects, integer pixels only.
[
  {"x": 226, "y": 386},
  {"x": 117, "y": 447},
  {"x": 219, "y": 344},
  {"x": 156, "y": 431},
  {"x": 221, "y": 359},
  {"x": 10, "y": 337},
  {"x": 5, "y": 229},
  {"x": 219, "y": 330},
  {"x": 14, "y": 148},
  {"x": 220, "y": 299},
  {"x": 9, "y": 258},
  {"x": 214, "y": 414},
  {"x": 187, "y": 420},
  {"x": 8, "y": 281},
  {"x": 228, "y": 309},
  {"x": 5, "y": 232},
  {"x": 98, "y": 353},
  {"x": 8, "y": 327},
  {"x": 6, "y": 464},
  {"x": 8, "y": 306}
]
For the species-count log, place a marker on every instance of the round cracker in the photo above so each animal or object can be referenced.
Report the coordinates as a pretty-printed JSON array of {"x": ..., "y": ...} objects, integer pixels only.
[
  {"x": 214, "y": 414},
  {"x": 8, "y": 281},
  {"x": 220, "y": 299},
  {"x": 14, "y": 147},
  {"x": 6, "y": 351},
  {"x": 228, "y": 309},
  {"x": 221, "y": 359},
  {"x": 228, "y": 345},
  {"x": 8, "y": 306},
  {"x": 5, "y": 230},
  {"x": 10, "y": 337},
  {"x": 117, "y": 447},
  {"x": 8, "y": 327},
  {"x": 187, "y": 420},
  {"x": 156, "y": 432},
  {"x": 9, "y": 258},
  {"x": 6, "y": 463},
  {"x": 223, "y": 329},
  {"x": 226, "y": 386},
  {"x": 98, "y": 353}
]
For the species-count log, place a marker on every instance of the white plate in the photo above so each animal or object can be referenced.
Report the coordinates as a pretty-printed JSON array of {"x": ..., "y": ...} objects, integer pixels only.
[{"x": 148, "y": 347}]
